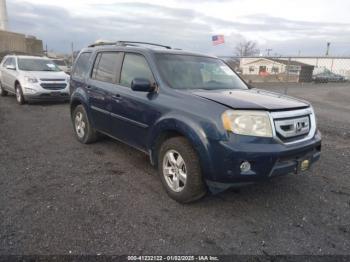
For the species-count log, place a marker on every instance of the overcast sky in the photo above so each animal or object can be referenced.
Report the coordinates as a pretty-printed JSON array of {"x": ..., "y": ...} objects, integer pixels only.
[{"x": 288, "y": 27}]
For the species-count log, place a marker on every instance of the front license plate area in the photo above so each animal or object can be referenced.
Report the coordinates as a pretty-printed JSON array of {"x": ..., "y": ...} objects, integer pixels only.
[{"x": 55, "y": 93}]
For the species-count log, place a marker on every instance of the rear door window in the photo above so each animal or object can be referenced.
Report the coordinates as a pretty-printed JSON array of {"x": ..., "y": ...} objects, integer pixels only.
[
  {"x": 107, "y": 67},
  {"x": 81, "y": 68},
  {"x": 135, "y": 66}
]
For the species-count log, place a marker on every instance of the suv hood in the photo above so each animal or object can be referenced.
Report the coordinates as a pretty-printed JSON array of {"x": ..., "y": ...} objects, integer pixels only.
[
  {"x": 46, "y": 75},
  {"x": 251, "y": 99}
]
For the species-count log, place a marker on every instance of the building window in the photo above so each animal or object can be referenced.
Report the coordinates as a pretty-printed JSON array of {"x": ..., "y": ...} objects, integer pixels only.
[
  {"x": 275, "y": 69},
  {"x": 251, "y": 69}
]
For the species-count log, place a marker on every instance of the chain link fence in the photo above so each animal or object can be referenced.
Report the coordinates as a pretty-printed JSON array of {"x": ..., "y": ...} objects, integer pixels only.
[{"x": 306, "y": 69}]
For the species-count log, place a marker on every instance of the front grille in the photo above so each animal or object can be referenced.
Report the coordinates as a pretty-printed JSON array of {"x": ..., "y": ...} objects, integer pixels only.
[
  {"x": 293, "y": 126},
  {"x": 53, "y": 86},
  {"x": 53, "y": 79}
]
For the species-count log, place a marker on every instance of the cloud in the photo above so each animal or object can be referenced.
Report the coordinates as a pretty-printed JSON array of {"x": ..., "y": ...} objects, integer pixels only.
[{"x": 182, "y": 27}]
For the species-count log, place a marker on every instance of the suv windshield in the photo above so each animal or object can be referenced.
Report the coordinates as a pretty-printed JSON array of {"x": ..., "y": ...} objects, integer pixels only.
[
  {"x": 59, "y": 62},
  {"x": 196, "y": 72},
  {"x": 30, "y": 64}
]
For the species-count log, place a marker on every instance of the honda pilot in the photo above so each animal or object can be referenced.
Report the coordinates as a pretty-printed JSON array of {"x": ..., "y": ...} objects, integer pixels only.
[{"x": 200, "y": 124}]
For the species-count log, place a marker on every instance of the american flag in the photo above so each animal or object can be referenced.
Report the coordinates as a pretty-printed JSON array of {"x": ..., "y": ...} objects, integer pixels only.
[{"x": 218, "y": 39}]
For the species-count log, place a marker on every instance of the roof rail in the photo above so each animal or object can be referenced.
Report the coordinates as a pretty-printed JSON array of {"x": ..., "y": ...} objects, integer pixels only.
[
  {"x": 143, "y": 43},
  {"x": 128, "y": 43}
]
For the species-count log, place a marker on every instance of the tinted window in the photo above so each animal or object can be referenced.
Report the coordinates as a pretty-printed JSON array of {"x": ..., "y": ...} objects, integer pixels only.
[
  {"x": 81, "y": 67},
  {"x": 107, "y": 67},
  {"x": 135, "y": 66}
]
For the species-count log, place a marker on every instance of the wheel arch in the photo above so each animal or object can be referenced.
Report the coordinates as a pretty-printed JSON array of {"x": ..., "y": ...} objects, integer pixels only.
[
  {"x": 81, "y": 99},
  {"x": 17, "y": 83},
  {"x": 194, "y": 133}
]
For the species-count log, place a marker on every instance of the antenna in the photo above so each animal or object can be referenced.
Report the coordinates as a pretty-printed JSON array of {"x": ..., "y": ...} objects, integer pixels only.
[{"x": 3, "y": 15}]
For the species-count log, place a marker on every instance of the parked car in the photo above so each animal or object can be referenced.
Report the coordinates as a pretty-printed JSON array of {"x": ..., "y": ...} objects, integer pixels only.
[
  {"x": 197, "y": 120},
  {"x": 33, "y": 78},
  {"x": 328, "y": 76},
  {"x": 62, "y": 64}
]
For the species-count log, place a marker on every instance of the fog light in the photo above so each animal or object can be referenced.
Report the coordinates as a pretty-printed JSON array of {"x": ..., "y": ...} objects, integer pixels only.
[
  {"x": 245, "y": 166},
  {"x": 30, "y": 91}
]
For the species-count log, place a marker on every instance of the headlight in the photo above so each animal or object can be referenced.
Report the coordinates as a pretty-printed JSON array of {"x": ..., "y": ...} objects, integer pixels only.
[
  {"x": 249, "y": 123},
  {"x": 30, "y": 79}
]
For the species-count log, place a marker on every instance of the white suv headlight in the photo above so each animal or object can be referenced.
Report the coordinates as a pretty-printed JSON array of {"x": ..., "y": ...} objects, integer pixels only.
[
  {"x": 245, "y": 122},
  {"x": 31, "y": 79}
]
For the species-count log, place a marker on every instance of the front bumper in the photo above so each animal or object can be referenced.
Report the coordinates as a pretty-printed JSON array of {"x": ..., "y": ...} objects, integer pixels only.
[
  {"x": 35, "y": 92},
  {"x": 49, "y": 96},
  {"x": 268, "y": 159}
]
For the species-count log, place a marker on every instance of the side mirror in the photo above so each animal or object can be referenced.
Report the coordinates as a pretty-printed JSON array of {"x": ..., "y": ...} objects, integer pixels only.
[
  {"x": 10, "y": 67},
  {"x": 141, "y": 85}
]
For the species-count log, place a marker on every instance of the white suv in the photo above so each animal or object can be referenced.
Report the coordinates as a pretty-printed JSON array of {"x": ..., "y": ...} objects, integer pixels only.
[{"x": 33, "y": 78}]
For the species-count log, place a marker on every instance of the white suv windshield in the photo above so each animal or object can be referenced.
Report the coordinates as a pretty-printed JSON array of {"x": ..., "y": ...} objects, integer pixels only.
[
  {"x": 28, "y": 64},
  {"x": 59, "y": 62},
  {"x": 196, "y": 72}
]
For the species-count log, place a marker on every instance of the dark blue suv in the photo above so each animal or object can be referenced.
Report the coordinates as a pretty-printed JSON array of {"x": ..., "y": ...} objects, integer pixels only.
[{"x": 199, "y": 122}]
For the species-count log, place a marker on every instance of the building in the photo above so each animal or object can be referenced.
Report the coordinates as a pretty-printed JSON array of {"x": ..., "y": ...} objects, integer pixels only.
[
  {"x": 334, "y": 64},
  {"x": 11, "y": 42},
  {"x": 263, "y": 69}
]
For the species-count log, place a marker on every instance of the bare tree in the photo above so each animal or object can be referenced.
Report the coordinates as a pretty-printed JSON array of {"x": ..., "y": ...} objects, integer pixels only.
[{"x": 247, "y": 48}]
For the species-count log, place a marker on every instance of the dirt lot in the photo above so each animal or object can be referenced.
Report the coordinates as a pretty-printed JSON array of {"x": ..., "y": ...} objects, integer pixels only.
[{"x": 59, "y": 197}]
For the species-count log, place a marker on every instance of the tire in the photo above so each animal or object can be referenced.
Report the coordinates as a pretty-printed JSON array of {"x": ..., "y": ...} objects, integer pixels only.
[
  {"x": 83, "y": 129},
  {"x": 19, "y": 94},
  {"x": 2, "y": 91},
  {"x": 183, "y": 182}
]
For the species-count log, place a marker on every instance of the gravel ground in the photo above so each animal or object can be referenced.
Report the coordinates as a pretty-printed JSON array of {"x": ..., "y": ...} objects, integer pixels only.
[{"x": 58, "y": 196}]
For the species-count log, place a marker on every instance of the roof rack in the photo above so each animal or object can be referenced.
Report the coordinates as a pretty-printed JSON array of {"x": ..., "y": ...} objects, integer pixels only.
[{"x": 128, "y": 43}]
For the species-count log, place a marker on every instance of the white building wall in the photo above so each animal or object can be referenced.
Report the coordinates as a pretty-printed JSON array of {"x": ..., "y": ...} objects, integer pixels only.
[{"x": 336, "y": 65}]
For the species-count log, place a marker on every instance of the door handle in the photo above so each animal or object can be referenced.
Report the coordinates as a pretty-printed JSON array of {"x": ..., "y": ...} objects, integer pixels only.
[{"x": 116, "y": 97}]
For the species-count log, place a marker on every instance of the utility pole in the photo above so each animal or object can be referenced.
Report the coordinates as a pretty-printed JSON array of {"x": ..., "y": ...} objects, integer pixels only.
[
  {"x": 72, "y": 49},
  {"x": 268, "y": 51},
  {"x": 287, "y": 79},
  {"x": 328, "y": 46}
]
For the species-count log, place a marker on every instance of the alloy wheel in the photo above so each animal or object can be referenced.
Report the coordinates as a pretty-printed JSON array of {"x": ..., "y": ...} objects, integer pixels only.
[
  {"x": 79, "y": 125},
  {"x": 174, "y": 170},
  {"x": 18, "y": 95}
]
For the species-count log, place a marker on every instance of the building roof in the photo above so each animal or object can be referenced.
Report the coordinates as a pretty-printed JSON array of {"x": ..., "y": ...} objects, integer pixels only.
[
  {"x": 288, "y": 62},
  {"x": 280, "y": 61}
]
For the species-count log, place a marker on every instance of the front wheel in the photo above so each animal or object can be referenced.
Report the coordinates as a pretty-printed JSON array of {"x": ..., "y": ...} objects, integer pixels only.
[
  {"x": 2, "y": 91},
  {"x": 180, "y": 171},
  {"x": 82, "y": 126},
  {"x": 19, "y": 95}
]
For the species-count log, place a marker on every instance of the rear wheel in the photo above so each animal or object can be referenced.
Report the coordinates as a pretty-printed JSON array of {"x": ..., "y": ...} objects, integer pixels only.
[
  {"x": 2, "y": 91},
  {"x": 82, "y": 126},
  {"x": 19, "y": 94},
  {"x": 179, "y": 170}
]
